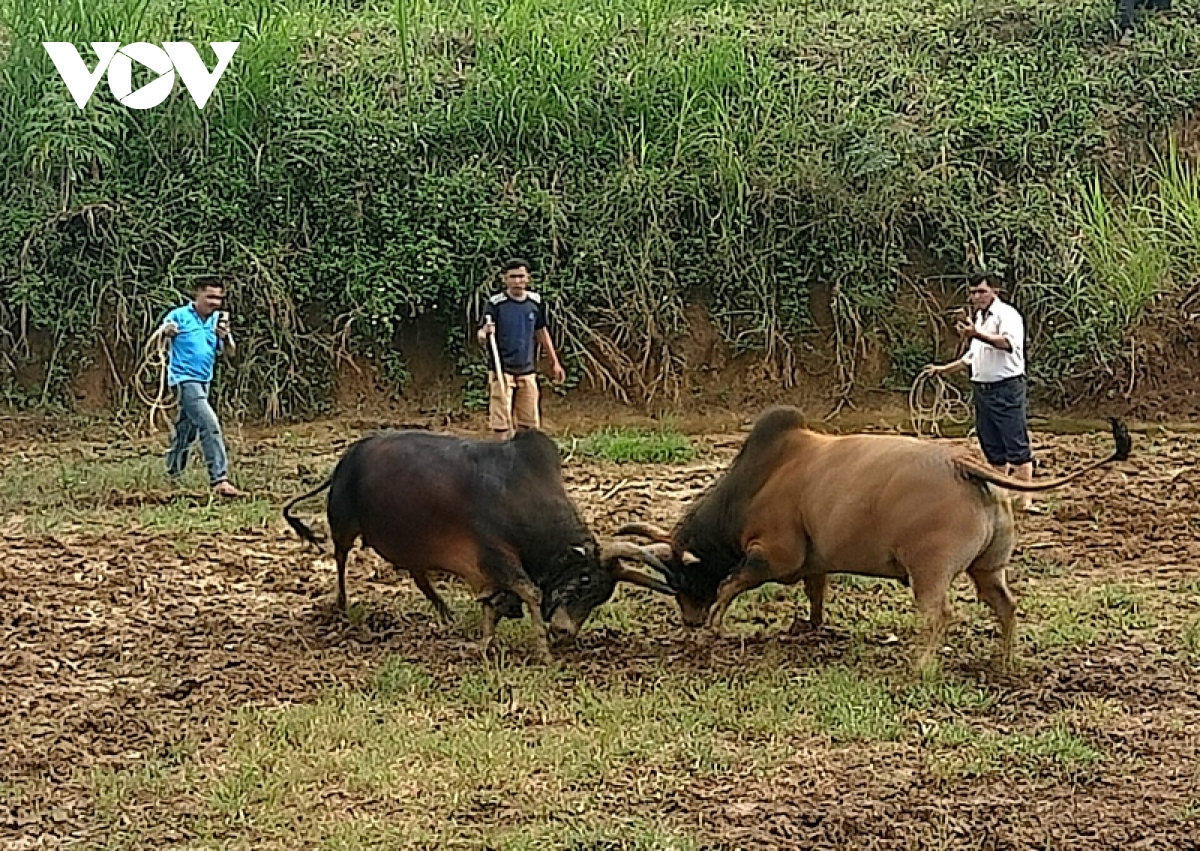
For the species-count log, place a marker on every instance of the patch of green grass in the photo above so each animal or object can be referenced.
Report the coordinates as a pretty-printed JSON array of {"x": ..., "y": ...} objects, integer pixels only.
[
  {"x": 214, "y": 516},
  {"x": 943, "y": 694},
  {"x": 1032, "y": 564},
  {"x": 133, "y": 492},
  {"x": 397, "y": 678},
  {"x": 850, "y": 707},
  {"x": 1084, "y": 616},
  {"x": 958, "y": 750},
  {"x": 113, "y": 789},
  {"x": 633, "y": 446},
  {"x": 511, "y": 756},
  {"x": 570, "y": 831},
  {"x": 1191, "y": 637},
  {"x": 80, "y": 483}
]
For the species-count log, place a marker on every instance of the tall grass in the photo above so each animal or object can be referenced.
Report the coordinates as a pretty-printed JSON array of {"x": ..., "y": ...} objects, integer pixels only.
[
  {"x": 364, "y": 164},
  {"x": 1138, "y": 248}
]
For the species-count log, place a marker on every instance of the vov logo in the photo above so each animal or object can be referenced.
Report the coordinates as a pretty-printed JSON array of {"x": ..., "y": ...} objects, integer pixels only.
[{"x": 118, "y": 61}]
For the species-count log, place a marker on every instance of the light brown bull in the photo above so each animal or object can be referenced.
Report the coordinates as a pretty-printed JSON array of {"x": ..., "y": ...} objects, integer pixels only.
[{"x": 798, "y": 505}]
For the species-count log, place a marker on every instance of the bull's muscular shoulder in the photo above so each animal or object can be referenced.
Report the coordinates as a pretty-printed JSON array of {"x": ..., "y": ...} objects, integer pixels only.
[
  {"x": 772, "y": 424},
  {"x": 537, "y": 450}
]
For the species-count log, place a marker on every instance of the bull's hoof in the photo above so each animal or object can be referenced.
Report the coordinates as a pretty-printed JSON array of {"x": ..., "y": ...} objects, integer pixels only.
[{"x": 805, "y": 626}]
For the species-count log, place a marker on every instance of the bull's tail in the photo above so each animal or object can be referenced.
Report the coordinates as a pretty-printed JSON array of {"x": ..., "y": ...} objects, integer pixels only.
[
  {"x": 301, "y": 528},
  {"x": 975, "y": 470}
]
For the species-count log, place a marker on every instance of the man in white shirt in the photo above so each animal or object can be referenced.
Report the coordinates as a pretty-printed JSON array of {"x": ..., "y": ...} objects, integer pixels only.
[{"x": 996, "y": 360}]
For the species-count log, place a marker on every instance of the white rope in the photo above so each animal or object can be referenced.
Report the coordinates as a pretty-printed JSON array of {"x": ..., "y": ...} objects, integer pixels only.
[
  {"x": 153, "y": 368},
  {"x": 947, "y": 405}
]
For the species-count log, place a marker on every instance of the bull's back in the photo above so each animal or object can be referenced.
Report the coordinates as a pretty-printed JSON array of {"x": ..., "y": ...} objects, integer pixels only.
[
  {"x": 861, "y": 500},
  {"x": 411, "y": 499}
]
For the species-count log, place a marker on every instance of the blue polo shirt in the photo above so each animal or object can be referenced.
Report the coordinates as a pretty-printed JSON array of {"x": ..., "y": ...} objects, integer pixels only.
[{"x": 194, "y": 349}]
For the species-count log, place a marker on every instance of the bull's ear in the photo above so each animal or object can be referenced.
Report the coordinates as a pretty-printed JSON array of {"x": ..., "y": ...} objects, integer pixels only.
[{"x": 633, "y": 577}]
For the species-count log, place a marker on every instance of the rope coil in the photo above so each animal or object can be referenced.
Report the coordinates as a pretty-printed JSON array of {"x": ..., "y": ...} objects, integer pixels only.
[
  {"x": 946, "y": 405},
  {"x": 153, "y": 370}
]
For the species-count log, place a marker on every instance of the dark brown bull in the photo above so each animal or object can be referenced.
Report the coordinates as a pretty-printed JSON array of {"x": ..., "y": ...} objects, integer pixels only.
[
  {"x": 797, "y": 505},
  {"x": 495, "y": 514}
]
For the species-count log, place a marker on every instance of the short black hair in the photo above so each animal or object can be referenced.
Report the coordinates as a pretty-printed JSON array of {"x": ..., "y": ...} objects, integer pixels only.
[
  {"x": 208, "y": 284},
  {"x": 514, "y": 263},
  {"x": 992, "y": 279}
]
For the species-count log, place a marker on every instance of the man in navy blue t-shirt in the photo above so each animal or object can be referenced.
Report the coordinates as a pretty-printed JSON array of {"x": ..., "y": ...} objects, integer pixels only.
[
  {"x": 198, "y": 333},
  {"x": 517, "y": 318}
]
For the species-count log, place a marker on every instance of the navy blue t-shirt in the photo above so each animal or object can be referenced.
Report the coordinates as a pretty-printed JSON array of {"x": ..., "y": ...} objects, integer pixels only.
[{"x": 517, "y": 322}]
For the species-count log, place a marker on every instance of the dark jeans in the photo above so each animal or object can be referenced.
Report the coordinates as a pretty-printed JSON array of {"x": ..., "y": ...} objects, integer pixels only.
[
  {"x": 1125, "y": 10},
  {"x": 197, "y": 419},
  {"x": 1000, "y": 421}
]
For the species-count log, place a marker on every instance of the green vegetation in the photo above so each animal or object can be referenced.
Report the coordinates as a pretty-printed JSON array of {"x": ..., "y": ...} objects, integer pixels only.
[
  {"x": 125, "y": 492},
  {"x": 958, "y": 751},
  {"x": 1094, "y": 614},
  {"x": 1191, "y": 637},
  {"x": 633, "y": 446},
  {"x": 362, "y": 165},
  {"x": 517, "y": 756}
]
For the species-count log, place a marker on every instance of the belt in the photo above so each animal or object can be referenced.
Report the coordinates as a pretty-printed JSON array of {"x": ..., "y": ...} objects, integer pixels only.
[{"x": 988, "y": 384}]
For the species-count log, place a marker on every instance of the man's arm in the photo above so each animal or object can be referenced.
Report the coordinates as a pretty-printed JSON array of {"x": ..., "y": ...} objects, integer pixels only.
[
  {"x": 543, "y": 337},
  {"x": 488, "y": 326},
  {"x": 998, "y": 341},
  {"x": 960, "y": 365},
  {"x": 169, "y": 327}
]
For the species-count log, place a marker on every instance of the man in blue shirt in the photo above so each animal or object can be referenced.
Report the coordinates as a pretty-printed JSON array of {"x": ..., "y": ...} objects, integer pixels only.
[
  {"x": 198, "y": 333},
  {"x": 517, "y": 319}
]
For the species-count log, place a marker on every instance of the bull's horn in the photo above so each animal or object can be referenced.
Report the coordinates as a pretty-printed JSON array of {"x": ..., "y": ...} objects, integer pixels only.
[
  {"x": 613, "y": 550},
  {"x": 661, "y": 551},
  {"x": 689, "y": 558},
  {"x": 625, "y": 574},
  {"x": 646, "y": 530}
]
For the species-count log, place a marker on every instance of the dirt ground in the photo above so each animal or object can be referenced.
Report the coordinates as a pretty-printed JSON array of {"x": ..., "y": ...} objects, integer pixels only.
[{"x": 117, "y": 645}]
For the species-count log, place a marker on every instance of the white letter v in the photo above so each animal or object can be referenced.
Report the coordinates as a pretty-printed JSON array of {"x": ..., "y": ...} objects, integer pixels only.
[
  {"x": 80, "y": 82},
  {"x": 196, "y": 77}
]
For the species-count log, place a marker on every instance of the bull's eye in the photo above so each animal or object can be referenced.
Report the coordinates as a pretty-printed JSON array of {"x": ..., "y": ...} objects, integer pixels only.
[{"x": 585, "y": 580}]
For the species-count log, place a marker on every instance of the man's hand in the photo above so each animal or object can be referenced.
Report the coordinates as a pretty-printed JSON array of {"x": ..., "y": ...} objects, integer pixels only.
[
  {"x": 560, "y": 374},
  {"x": 170, "y": 330},
  {"x": 488, "y": 329},
  {"x": 966, "y": 329},
  {"x": 222, "y": 331},
  {"x": 944, "y": 369}
]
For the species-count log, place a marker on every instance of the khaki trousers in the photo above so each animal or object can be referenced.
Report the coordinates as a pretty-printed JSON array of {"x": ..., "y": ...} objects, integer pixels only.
[{"x": 517, "y": 393}]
